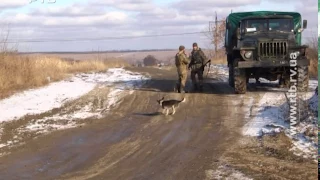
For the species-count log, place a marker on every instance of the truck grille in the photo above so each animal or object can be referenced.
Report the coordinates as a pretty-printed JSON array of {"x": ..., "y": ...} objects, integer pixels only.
[{"x": 273, "y": 49}]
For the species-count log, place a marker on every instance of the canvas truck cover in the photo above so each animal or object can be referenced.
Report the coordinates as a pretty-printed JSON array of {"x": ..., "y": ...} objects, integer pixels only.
[{"x": 234, "y": 19}]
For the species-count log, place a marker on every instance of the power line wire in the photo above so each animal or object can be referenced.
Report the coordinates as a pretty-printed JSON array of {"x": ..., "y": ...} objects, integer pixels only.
[
  {"x": 106, "y": 38},
  {"x": 64, "y": 28},
  {"x": 102, "y": 38}
]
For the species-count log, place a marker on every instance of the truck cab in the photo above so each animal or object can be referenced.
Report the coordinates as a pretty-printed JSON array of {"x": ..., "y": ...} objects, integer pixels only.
[{"x": 261, "y": 44}]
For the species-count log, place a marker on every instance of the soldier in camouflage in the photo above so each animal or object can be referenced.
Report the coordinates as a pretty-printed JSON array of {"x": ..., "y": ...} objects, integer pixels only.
[
  {"x": 198, "y": 61},
  {"x": 182, "y": 61}
]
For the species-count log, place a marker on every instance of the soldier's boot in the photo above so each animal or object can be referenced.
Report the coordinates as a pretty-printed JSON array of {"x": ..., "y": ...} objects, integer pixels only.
[
  {"x": 177, "y": 88},
  {"x": 201, "y": 88},
  {"x": 195, "y": 87},
  {"x": 181, "y": 90}
]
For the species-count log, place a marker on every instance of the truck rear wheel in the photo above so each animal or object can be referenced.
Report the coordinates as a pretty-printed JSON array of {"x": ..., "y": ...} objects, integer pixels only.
[
  {"x": 231, "y": 75},
  {"x": 303, "y": 78},
  {"x": 240, "y": 80}
]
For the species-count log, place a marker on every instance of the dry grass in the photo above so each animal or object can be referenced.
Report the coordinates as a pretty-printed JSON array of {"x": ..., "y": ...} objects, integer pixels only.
[
  {"x": 19, "y": 73},
  {"x": 312, "y": 54},
  {"x": 219, "y": 61},
  {"x": 313, "y": 68}
]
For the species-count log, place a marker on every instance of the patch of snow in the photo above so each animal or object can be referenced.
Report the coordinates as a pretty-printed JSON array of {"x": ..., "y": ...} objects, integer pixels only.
[
  {"x": 225, "y": 173},
  {"x": 65, "y": 121},
  {"x": 262, "y": 80},
  {"x": 43, "y": 128},
  {"x": 302, "y": 146},
  {"x": 313, "y": 84},
  {"x": 272, "y": 116},
  {"x": 266, "y": 113},
  {"x": 55, "y": 95},
  {"x": 36, "y": 101},
  {"x": 313, "y": 103},
  {"x": 113, "y": 76},
  {"x": 219, "y": 72},
  {"x": 113, "y": 97}
]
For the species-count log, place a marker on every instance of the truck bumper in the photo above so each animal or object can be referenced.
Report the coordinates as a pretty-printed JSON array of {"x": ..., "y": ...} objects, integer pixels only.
[{"x": 272, "y": 63}]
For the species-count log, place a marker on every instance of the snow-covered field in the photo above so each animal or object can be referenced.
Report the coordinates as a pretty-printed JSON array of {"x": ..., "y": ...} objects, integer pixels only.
[{"x": 56, "y": 95}]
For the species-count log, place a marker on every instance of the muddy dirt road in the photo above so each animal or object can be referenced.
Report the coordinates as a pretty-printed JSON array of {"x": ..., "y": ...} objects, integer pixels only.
[{"x": 136, "y": 141}]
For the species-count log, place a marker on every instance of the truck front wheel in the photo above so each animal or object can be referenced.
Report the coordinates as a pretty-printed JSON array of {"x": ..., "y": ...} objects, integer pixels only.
[
  {"x": 240, "y": 80},
  {"x": 303, "y": 78}
]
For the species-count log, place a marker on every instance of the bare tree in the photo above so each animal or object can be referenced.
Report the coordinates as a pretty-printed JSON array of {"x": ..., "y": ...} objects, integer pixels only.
[
  {"x": 216, "y": 35},
  {"x": 6, "y": 46},
  {"x": 313, "y": 46},
  {"x": 312, "y": 53}
]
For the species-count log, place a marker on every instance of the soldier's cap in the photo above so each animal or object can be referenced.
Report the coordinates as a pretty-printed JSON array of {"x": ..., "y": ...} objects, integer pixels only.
[
  {"x": 181, "y": 48},
  {"x": 194, "y": 45}
]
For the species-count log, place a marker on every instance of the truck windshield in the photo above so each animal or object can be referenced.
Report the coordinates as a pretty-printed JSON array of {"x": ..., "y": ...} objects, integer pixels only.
[{"x": 256, "y": 25}]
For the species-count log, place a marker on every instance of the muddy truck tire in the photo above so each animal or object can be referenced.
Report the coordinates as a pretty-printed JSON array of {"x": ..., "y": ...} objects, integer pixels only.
[
  {"x": 303, "y": 78},
  {"x": 231, "y": 75},
  {"x": 240, "y": 81},
  {"x": 238, "y": 78}
]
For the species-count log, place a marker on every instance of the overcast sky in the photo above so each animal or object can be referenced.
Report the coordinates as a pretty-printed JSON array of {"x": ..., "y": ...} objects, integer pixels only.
[{"x": 73, "y": 19}]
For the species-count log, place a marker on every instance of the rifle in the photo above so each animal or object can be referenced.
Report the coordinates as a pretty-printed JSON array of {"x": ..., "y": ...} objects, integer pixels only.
[
  {"x": 209, "y": 67},
  {"x": 202, "y": 67}
]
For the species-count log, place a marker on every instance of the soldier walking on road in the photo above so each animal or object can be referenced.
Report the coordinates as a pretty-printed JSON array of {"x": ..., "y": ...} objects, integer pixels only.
[
  {"x": 182, "y": 62},
  {"x": 197, "y": 64}
]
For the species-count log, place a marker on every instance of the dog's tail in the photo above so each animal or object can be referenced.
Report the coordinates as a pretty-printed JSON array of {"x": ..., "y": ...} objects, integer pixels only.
[{"x": 183, "y": 100}]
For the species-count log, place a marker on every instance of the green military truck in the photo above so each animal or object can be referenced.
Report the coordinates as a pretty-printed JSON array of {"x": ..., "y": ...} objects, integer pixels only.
[{"x": 262, "y": 44}]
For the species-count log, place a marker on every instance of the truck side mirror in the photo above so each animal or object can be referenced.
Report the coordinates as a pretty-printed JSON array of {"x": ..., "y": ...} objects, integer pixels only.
[
  {"x": 238, "y": 33},
  {"x": 304, "y": 24},
  {"x": 228, "y": 25}
]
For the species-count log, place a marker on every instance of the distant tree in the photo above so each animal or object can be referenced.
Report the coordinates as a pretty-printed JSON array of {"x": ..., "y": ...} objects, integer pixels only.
[
  {"x": 216, "y": 36},
  {"x": 150, "y": 61}
]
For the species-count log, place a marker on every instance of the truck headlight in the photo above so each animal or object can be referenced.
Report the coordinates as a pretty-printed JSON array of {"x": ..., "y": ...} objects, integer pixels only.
[
  {"x": 248, "y": 54},
  {"x": 297, "y": 53}
]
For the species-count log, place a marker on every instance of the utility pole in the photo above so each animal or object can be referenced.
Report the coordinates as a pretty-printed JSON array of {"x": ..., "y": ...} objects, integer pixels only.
[
  {"x": 216, "y": 36},
  {"x": 211, "y": 35},
  {"x": 214, "y": 31}
]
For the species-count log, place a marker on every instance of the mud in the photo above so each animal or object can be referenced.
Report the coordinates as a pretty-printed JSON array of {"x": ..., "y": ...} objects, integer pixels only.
[{"x": 135, "y": 141}]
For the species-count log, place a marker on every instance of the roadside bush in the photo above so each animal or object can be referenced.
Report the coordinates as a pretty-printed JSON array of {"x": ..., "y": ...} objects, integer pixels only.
[{"x": 150, "y": 61}]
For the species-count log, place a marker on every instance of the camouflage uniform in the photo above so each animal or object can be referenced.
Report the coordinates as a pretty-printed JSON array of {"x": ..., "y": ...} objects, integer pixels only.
[
  {"x": 198, "y": 60},
  {"x": 182, "y": 62}
]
